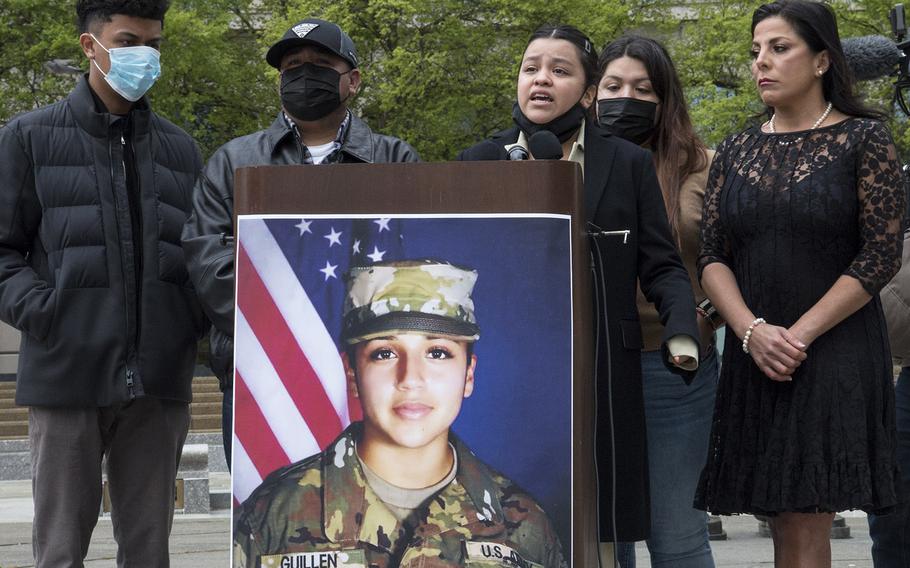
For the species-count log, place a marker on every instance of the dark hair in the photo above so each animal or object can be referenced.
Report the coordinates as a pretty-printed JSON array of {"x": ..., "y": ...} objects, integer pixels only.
[
  {"x": 576, "y": 37},
  {"x": 88, "y": 12},
  {"x": 816, "y": 24},
  {"x": 678, "y": 152}
]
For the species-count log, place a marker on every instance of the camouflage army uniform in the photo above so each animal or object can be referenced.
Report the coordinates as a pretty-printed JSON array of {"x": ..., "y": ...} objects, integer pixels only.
[{"x": 323, "y": 506}]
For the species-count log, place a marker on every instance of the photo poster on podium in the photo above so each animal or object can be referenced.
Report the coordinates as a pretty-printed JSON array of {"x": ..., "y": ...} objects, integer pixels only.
[{"x": 291, "y": 397}]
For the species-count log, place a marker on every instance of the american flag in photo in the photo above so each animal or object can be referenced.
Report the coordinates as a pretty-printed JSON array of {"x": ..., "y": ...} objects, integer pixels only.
[{"x": 290, "y": 396}]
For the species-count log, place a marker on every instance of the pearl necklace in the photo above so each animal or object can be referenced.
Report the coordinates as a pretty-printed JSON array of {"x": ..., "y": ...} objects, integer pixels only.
[{"x": 818, "y": 122}]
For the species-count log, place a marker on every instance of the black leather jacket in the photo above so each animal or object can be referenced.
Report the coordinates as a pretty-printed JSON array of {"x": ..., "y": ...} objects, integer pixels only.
[
  {"x": 210, "y": 258},
  {"x": 100, "y": 324}
]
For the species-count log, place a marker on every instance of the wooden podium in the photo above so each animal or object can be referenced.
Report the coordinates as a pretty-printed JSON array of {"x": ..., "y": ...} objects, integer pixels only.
[{"x": 454, "y": 188}]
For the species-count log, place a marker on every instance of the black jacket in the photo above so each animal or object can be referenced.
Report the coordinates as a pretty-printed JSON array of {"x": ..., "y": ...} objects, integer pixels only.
[
  {"x": 99, "y": 326},
  {"x": 622, "y": 194},
  {"x": 210, "y": 256}
]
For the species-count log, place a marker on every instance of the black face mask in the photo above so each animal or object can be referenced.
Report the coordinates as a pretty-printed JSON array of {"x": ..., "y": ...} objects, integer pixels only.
[
  {"x": 310, "y": 92},
  {"x": 563, "y": 126},
  {"x": 632, "y": 119}
]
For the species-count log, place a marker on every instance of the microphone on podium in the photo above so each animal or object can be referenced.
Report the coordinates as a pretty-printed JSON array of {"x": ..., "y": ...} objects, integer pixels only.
[
  {"x": 518, "y": 152},
  {"x": 544, "y": 145},
  {"x": 486, "y": 150}
]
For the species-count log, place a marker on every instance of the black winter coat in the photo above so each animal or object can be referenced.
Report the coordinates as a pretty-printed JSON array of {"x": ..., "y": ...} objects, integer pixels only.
[
  {"x": 99, "y": 326},
  {"x": 211, "y": 256},
  {"x": 622, "y": 194}
]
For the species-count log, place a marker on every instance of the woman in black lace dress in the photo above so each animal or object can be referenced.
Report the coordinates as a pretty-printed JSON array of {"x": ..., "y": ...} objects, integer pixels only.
[{"x": 801, "y": 229}]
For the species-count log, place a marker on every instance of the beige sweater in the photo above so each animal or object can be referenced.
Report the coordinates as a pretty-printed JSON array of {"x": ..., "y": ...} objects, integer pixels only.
[{"x": 691, "y": 196}]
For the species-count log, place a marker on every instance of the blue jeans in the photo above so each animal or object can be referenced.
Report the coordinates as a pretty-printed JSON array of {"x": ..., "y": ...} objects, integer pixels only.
[
  {"x": 625, "y": 555},
  {"x": 679, "y": 426},
  {"x": 227, "y": 419},
  {"x": 891, "y": 533}
]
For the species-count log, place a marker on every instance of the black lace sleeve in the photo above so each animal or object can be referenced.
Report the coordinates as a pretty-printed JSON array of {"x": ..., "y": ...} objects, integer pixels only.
[
  {"x": 714, "y": 246},
  {"x": 881, "y": 190}
]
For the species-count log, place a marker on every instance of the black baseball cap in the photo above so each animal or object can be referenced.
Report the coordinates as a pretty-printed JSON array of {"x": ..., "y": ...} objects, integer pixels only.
[{"x": 314, "y": 31}]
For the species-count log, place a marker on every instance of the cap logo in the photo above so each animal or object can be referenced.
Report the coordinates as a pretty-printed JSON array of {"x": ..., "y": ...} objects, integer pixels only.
[{"x": 303, "y": 29}]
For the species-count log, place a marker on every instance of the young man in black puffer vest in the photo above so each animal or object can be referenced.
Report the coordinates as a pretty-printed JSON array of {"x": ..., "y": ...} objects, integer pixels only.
[{"x": 94, "y": 192}]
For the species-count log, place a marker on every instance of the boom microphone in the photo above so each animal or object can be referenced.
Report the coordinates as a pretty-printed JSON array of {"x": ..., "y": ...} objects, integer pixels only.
[
  {"x": 544, "y": 145},
  {"x": 871, "y": 57}
]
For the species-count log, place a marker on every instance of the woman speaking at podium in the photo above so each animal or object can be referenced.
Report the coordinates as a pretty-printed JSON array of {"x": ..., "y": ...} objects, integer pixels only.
[{"x": 630, "y": 242}]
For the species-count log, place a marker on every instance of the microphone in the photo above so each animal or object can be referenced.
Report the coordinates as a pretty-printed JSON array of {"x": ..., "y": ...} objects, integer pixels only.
[
  {"x": 871, "y": 57},
  {"x": 518, "y": 153},
  {"x": 486, "y": 150},
  {"x": 544, "y": 145}
]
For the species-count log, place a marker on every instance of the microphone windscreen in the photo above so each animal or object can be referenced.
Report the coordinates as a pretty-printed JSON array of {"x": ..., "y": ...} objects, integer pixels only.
[
  {"x": 486, "y": 150},
  {"x": 544, "y": 145},
  {"x": 871, "y": 57}
]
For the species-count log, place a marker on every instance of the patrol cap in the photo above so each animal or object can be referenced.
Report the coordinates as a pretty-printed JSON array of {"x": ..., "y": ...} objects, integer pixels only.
[
  {"x": 314, "y": 31},
  {"x": 410, "y": 296}
]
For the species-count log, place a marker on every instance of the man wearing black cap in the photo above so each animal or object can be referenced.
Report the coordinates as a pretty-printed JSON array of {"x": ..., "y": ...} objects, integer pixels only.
[{"x": 319, "y": 76}]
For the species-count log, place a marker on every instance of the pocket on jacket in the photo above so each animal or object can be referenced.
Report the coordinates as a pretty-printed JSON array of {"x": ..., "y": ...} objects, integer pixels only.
[
  {"x": 82, "y": 267},
  {"x": 631, "y": 334},
  {"x": 170, "y": 218},
  {"x": 76, "y": 328},
  {"x": 40, "y": 324},
  {"x": 172, "y": 265}
]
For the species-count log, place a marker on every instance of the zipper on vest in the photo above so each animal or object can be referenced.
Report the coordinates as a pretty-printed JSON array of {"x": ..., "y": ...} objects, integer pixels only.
[
  {"x": 128, "y": 278},
  {"x": 137, "y": 267},
  {"x": 134, "y": 200}
]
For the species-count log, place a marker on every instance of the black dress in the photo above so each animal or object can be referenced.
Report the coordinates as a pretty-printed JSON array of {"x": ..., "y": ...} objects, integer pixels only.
[{"x": 789, "y": 214}]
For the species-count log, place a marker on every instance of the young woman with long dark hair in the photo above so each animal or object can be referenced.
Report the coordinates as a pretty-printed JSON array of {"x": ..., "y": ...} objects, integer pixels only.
[{"x": 640, "y": 98}]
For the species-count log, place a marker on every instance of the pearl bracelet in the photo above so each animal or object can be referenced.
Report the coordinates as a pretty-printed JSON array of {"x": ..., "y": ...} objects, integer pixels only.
[{"x": 755, "y": 323}]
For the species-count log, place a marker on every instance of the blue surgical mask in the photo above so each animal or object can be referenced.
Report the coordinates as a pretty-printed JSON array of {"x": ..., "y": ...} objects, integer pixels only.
[{"x": 133, "y": 69}]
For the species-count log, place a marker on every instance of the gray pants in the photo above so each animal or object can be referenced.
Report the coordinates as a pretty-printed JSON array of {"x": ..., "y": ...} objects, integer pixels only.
[{"x": 142, "y": 441}]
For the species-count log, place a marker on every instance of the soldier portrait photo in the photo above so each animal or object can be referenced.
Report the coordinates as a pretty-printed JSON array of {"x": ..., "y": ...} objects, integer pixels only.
[{"x": 442, "y": 448}]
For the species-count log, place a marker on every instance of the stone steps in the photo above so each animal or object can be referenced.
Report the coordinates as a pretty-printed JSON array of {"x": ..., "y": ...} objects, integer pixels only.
[
  {"x": 205, "y": 490},
  {"x": 15, "y": 461},
  {"x": 13, "y": 430},
  {"x": 205, "y": 411},
  {"x": 205, "y": 422},
  {"x": 206, "y": 397},
  {"x": 14, "y": 414},
  {"x": 7, "y": 403}
]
